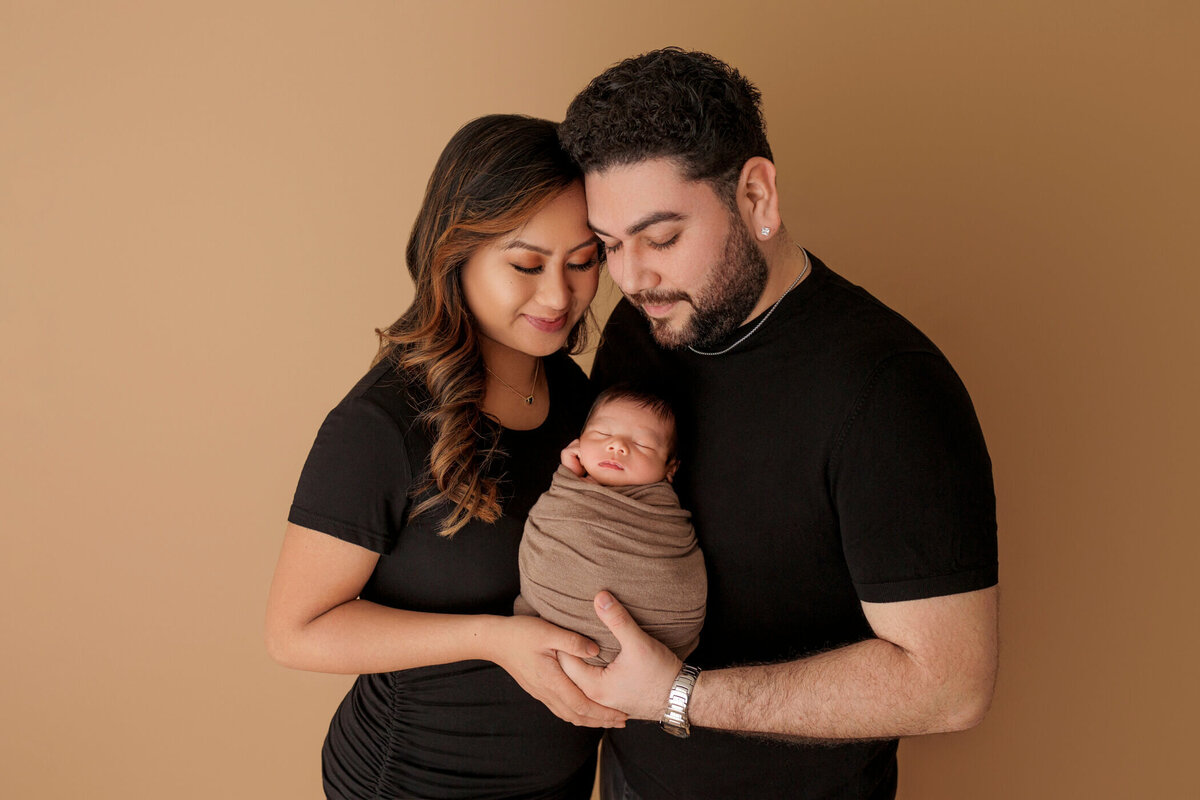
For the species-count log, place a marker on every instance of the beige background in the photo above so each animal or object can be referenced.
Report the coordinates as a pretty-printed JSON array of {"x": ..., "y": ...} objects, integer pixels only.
[{"x": 202, "y": 213}]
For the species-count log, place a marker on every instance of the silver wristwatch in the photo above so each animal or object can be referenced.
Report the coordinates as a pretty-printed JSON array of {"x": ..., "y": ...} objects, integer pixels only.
[{"x": 675, "y": 718}]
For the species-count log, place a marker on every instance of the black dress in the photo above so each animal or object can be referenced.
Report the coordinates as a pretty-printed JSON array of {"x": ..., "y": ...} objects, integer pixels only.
[{"x": 454, "y": 730}]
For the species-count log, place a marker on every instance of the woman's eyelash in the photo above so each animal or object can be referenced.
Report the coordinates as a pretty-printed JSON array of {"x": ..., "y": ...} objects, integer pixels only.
[{"x": 584, "y": 267}]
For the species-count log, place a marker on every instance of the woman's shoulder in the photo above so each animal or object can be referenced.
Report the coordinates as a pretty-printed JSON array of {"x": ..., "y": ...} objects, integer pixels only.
[{"x": 388, "y": 392}]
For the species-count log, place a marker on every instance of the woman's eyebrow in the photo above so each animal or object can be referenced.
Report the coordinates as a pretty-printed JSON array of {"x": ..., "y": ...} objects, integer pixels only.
[
  {"x": 517, "y": 244},
  {"x": 581, "y": 245}
]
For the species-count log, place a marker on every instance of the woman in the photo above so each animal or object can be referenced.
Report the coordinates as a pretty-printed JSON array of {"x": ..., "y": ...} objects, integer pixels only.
[{"x": 400, "y": 558}]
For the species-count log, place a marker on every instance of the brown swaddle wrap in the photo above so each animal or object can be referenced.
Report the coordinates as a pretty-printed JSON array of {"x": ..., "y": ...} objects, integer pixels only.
[{"x": 635, "y": 541}]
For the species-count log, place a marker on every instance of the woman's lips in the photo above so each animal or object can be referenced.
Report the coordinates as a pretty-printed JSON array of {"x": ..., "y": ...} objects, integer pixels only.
[{"x": 547, "y": 325}]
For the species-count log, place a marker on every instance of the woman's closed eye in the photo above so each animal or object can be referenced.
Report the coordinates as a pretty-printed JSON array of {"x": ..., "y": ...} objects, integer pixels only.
[
  {"x": 539, "y": 269},
  {"x": 584, "y": 267}
]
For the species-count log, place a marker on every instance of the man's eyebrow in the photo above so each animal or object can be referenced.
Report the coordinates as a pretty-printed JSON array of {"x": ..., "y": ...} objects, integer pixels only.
[
  {"x": 517, "y": 244},
  {"x": 652, "y": 218}
]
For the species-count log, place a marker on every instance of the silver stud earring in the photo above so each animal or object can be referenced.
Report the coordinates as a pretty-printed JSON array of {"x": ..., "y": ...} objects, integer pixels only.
[{"x": 765, "y": 231}]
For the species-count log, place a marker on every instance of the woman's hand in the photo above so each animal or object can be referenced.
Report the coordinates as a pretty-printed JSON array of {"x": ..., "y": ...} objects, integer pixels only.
[{"x": 527, "y": 648}]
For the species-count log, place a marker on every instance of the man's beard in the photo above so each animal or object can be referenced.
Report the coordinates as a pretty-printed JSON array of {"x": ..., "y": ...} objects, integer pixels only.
[{"x": 734, "y": 287}]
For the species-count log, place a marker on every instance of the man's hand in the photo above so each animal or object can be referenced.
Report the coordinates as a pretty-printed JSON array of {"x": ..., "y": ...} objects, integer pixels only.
[
  {"x": 639, "y": 678},
  {"x": 526, "y": 648}
]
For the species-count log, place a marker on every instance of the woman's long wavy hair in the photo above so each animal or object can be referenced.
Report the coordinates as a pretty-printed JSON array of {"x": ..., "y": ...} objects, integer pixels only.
[{"x": 495, "y": 174}]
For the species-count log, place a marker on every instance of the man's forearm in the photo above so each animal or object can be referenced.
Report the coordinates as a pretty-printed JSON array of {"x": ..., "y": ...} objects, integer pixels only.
[
  {"x": 931, "y": 669},
  {"x": 871, "y": 689}
]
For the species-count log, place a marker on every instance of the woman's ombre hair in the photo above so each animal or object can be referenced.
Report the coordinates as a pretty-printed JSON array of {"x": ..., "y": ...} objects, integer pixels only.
[{"x": 494, "y": 175}]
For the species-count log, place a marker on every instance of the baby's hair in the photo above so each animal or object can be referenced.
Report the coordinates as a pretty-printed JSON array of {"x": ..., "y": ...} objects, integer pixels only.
[{"x": 643, "y": 397}]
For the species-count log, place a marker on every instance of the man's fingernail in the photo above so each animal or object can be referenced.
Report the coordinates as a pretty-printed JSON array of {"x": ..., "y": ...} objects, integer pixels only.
[{"x": 605, "y": 600}]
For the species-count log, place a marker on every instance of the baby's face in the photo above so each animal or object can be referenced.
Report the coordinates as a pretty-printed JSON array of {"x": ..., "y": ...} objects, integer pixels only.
[{"x": 625, "y": 444}]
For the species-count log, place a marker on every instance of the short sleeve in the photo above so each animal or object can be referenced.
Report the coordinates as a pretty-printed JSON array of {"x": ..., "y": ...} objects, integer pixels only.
[
  {"x": 356, "y": 480},
  {"x": 912, "y": 483}
]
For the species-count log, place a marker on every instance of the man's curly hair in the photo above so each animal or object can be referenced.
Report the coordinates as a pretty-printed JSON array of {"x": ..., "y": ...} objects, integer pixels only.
[{"x": 674, "y": 103}]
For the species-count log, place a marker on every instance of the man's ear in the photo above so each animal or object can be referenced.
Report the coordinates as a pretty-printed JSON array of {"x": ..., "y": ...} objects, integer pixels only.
[
  {"x": 758, "y": 198},
  {"x": 672, "y": 465}
]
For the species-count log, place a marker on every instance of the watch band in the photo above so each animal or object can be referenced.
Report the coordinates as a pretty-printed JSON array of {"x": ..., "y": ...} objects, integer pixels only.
[{"x": 675, "y": 718}]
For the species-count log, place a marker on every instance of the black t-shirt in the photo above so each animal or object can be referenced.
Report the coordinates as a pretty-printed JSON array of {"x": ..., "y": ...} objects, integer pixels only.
[
  {"x": 832, "y": 458},
  {"x": 454, "y": 730}
]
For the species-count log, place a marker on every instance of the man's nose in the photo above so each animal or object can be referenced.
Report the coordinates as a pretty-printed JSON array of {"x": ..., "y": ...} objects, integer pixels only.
[{"x": 629, "y": 272}]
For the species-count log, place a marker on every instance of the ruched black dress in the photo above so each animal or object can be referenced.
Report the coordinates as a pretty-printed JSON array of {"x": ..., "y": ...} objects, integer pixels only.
[{"x": 461, "y": 730}]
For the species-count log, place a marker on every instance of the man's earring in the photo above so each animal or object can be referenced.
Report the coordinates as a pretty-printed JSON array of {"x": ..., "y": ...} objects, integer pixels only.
[{"x": 764, "y": 231}]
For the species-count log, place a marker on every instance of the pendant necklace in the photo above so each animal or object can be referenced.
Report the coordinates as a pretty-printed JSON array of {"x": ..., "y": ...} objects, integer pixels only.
[{"x": 528, "y": 398}]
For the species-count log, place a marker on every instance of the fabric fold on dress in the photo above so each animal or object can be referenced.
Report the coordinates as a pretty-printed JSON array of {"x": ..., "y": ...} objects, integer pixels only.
[{"x": 634, "y": 541}]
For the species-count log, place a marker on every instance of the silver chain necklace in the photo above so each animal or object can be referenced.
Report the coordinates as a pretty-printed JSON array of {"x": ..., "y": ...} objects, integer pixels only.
[{"x": 766, "y": 316}]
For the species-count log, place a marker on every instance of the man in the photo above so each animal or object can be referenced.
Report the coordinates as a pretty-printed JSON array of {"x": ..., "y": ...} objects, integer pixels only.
[{"x": 839, "y": 482}]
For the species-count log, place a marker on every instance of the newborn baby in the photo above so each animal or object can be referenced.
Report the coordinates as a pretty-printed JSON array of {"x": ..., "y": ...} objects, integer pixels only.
[{"x": 618, "y": 528}]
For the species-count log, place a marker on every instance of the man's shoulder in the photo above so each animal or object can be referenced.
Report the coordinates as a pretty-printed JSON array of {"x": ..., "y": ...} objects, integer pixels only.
[
  {"x": 626, "y": 324},
  {"x": 627, "y": 350},
  {"x": 862, "y": 326}
]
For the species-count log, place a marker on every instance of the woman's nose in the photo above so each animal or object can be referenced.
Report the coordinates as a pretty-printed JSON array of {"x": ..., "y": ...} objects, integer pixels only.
[{"x": 553, "y": 292}]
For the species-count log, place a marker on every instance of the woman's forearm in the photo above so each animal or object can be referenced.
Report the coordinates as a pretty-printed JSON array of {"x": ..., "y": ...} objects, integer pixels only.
[
  {"x": 361, "y": 637},
  {"x": 316, "y": 621}
]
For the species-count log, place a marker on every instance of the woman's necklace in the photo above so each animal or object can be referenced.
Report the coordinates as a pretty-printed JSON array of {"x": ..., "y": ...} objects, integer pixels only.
[
  {"x": 771, "y": 310},
  {"x": 528, "y": 398}
]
